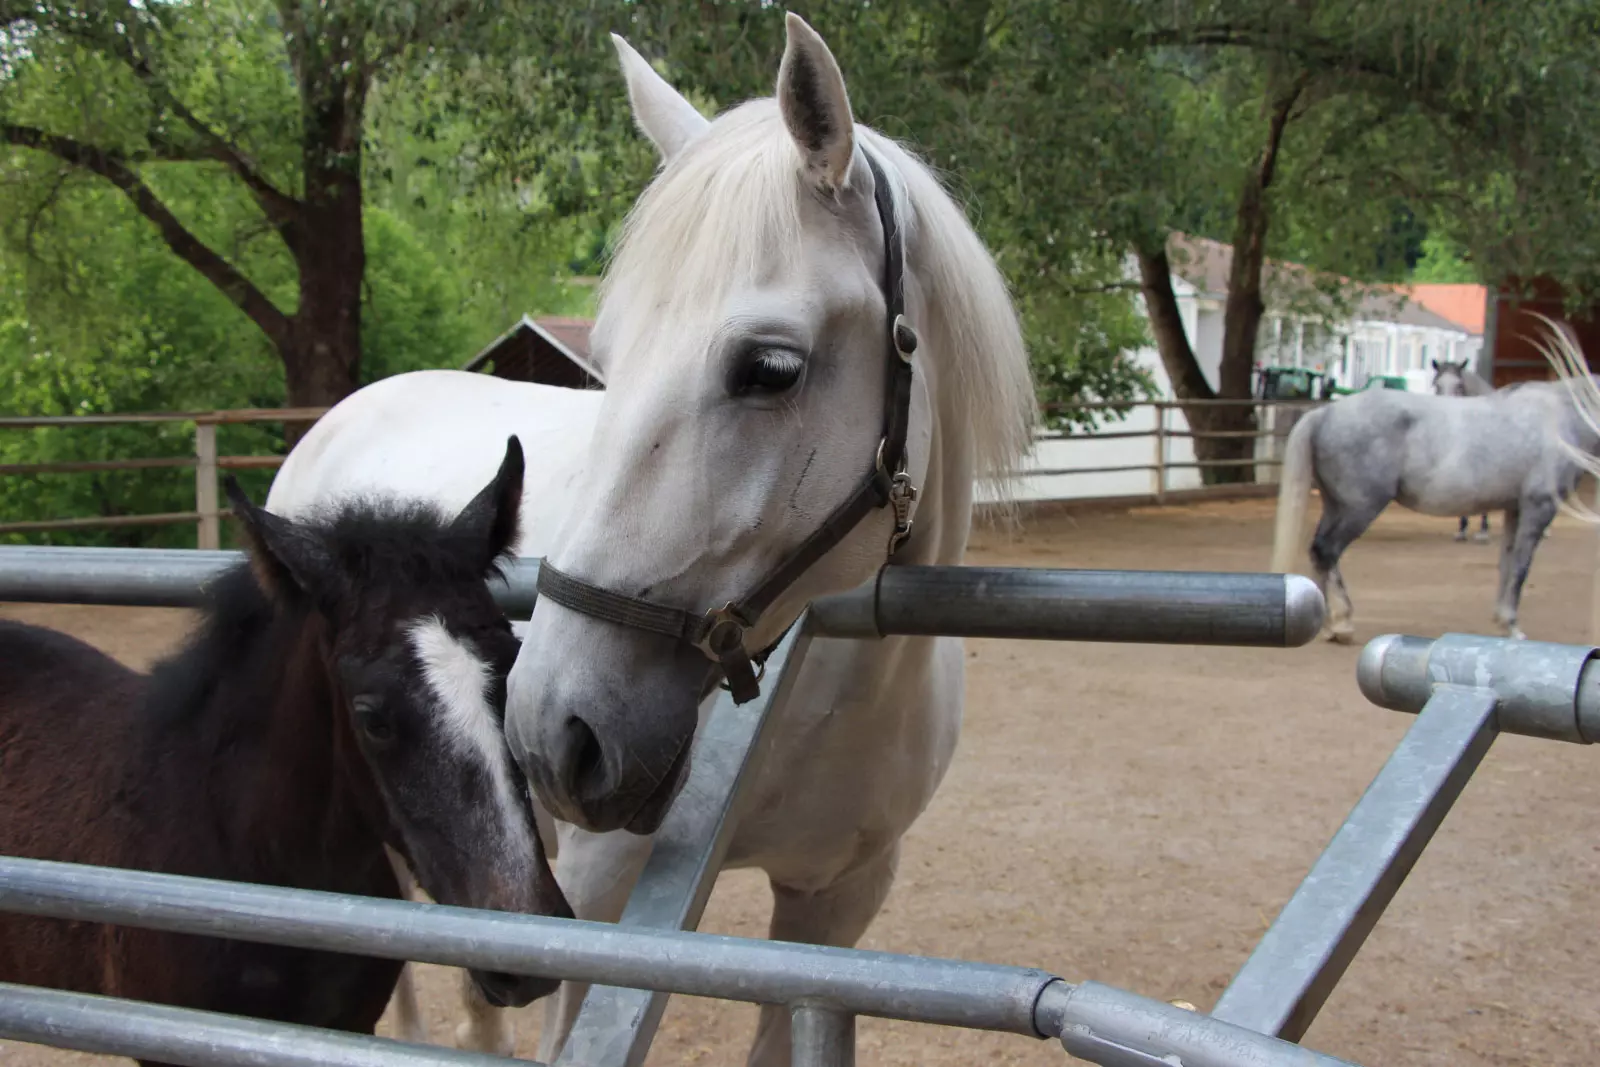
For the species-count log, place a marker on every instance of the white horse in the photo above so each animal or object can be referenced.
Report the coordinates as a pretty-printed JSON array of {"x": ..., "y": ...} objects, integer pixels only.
[{"x": 742, "y": 333}]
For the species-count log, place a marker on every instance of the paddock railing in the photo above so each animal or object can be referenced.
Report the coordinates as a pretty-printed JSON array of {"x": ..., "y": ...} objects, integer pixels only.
[
  {"x": 1153, "y": 441},
  {"x": 206, "y": 464},
  {"x": 1148, "y": 452},
  {"x": 1464, "y": 691}
]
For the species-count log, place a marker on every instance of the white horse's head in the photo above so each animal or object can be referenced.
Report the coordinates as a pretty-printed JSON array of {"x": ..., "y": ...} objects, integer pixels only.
[{"x": 743, "y": 332}]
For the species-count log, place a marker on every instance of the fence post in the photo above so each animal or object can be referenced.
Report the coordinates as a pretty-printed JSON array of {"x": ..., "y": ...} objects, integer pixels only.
[
  {"x": 205, "y": 485},
  {"x": 1158, "y": 476},
  {"x": 1266, "y": 421}
]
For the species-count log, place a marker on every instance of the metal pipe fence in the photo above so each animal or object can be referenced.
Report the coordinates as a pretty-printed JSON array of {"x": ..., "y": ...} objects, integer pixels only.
[
  {"x": 833, "y": 982},
  {"x": 112, "y": 1026},
  {"x": 1029, "y": 603},
  {"x": 1464, "y": 690},
  {"x": 208, "y": 464}
]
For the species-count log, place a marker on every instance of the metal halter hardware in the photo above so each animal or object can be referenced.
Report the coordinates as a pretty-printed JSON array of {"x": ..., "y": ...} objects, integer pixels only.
[{"x": 719, "y": 633}]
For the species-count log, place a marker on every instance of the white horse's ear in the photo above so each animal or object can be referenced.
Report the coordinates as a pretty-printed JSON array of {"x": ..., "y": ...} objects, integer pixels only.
[
  {"x": 662, "y": 113},
  {"x": 815, "y": 106}
]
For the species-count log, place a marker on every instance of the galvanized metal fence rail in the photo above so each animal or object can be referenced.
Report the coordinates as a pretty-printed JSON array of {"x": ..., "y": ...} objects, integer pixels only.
[
  {"x": 1163, "y": 607},
  {"x": 1465, "y": 690}
]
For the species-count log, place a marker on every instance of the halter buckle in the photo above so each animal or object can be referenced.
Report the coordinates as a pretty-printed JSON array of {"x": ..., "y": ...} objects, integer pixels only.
[
  {"x": 721, "y": 632},
  {"x": 722, "y": 640},
  {"x": 902, "y": 494}
]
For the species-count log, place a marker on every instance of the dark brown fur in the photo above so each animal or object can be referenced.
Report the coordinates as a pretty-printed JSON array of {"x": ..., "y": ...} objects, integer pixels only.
[
  {"x": 241, "y": 758},
  {"x": 88, "y": 775}
]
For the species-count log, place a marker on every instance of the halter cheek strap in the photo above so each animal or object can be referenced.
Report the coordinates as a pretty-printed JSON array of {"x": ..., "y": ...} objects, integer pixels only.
[{"x": 720, "y": 633}]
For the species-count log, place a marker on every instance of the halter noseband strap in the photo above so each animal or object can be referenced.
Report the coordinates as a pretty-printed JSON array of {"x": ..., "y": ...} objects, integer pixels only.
[{"x": 720, "y": 632}]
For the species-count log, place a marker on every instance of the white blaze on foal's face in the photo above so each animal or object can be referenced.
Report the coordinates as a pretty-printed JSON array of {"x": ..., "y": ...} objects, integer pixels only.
[{"x": 461, "y": 683}]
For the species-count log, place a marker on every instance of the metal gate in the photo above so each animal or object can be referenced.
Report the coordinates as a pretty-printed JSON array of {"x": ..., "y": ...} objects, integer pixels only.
[{"x": 1464, "y": 690}]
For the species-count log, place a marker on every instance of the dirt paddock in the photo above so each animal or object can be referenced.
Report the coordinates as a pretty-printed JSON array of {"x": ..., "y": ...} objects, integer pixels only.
[{"x": 1138, "y": 815}]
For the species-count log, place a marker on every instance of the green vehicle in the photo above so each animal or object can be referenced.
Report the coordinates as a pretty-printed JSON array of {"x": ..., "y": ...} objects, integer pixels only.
[{"x": 1293, "y": 383}]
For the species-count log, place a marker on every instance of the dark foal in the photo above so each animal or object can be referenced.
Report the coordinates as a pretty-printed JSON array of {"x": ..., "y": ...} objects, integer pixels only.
[{"x": 343, "y": 692}]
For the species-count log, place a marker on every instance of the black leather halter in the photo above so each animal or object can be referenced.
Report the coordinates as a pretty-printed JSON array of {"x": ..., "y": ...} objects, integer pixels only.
[{"x": 720, "y": 632}]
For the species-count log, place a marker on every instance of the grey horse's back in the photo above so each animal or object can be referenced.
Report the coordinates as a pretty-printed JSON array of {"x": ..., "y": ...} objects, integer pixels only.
[{"x": 1439, "y": 455}]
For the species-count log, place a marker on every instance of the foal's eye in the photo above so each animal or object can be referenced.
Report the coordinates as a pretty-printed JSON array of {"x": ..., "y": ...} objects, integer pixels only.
[
  {"x": 372, "y": 721},
  {"x": 767, "y": 370}
]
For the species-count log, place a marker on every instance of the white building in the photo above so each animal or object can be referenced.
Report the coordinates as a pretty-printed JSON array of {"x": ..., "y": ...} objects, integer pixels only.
[
  {"x": 1373, "y": 331},
  {"x": 1364, "y": 332}
]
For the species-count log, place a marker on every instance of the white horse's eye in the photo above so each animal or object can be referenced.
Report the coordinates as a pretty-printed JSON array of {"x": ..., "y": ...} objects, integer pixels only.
[{"x": 767, "y": 370}]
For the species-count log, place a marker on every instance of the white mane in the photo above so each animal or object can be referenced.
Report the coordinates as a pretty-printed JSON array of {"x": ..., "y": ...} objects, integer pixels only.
[{"x": 730, "y": 204}]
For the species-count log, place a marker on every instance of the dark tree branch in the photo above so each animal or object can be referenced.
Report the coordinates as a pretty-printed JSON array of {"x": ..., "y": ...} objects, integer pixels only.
[
  {"x": 35, "y": 217},
  {"x": 280, "y": 208},
  {"x": 1282, "y": 110},
  {"x": 115, "y": 169},
  {"x": 1319, "y": 55}
]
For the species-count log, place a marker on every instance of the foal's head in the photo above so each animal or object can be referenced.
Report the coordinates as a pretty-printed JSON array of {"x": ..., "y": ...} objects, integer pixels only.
[{"x": 417, "y": 653}]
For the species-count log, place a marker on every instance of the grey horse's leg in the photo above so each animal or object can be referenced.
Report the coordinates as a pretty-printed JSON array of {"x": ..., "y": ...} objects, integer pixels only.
[
  {"x": 1482, "y": 536},
  {"x": 1508, "y": 540},
  {"x": 1461, "y": 531},
  {"x": 1522, "y": 535},
  {"x": 1336, "y": 530}
]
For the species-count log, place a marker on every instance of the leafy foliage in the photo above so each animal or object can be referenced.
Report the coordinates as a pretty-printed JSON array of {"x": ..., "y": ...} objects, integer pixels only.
[{"x": 480, "y": 154}]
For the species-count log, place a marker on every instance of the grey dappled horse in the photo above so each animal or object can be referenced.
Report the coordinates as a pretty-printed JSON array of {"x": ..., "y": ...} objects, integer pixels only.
[
  {"x": 1456, "y": 379},
  {"x": 1518, "y": 450}
]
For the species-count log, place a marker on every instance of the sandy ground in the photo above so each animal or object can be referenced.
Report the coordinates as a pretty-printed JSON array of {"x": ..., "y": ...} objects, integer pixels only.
[{"x": 1138, "y": 815}]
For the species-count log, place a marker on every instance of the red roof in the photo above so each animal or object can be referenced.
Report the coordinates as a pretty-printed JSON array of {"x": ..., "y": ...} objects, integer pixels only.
[
  {"x": 574, "y": 333},
  {"x": 1462, "y": 304}
]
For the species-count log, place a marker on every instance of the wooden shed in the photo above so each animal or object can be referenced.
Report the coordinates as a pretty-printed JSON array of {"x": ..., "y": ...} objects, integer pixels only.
[
  {"x": 1512, "y": 332},
  {"x": 548, "y": 350}
]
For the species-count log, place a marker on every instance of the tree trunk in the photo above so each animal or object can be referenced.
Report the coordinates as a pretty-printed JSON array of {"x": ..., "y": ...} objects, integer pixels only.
[
  {"x": 1166, "y": 322},
  {"x": 1183, "y": 369},
  {"x": 322, "y": 353},
  {"x": 1241, "y": 317}
]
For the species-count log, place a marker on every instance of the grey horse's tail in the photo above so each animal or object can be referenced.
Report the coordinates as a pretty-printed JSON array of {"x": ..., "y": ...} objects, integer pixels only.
[{"x": 1294, "y": 490}]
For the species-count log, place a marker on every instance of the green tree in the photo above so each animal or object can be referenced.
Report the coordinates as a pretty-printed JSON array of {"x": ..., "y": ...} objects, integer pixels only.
[
  {"x": 1314, "y": 124},
  {"x": 126, "y": 330},
  {"x": 265, "y": 105},
  {"x": 1442, "y": 261}
]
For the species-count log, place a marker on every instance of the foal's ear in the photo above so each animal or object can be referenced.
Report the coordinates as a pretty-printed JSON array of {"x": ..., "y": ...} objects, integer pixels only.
[
  {"x": 490, "y": 523},
  {"x": 1435, "y": 365},
  {"x": 662, "y": 113},
  {"x": 815, "y": 106},
  {"x": 289, "y": 560}
]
